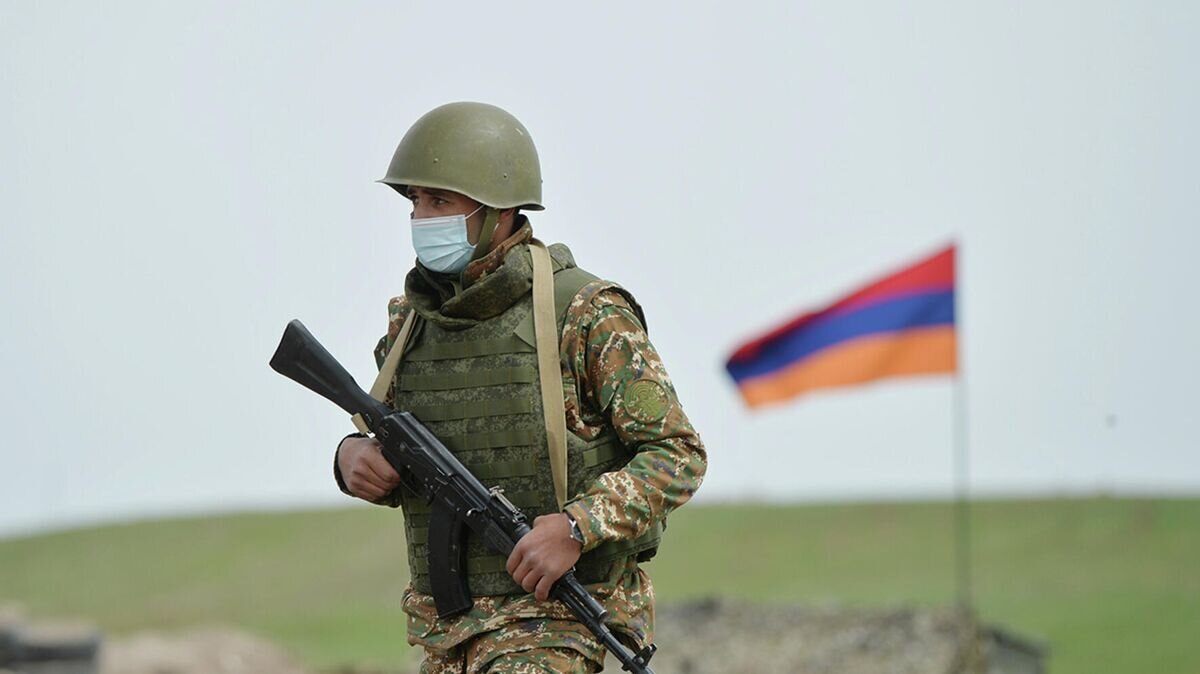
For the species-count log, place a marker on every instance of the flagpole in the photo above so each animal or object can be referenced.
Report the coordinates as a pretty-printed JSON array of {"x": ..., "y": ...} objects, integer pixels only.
[
  {"x": 965, "y": 590},
  {"x": 962, "y": 496}
]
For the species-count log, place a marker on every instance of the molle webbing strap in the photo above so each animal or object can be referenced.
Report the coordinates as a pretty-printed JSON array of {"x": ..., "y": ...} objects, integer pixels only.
[
  {"x": 384, "y": 380},
  {"x": 461, "y": 380},
  {"x": 603, "y": 453},
  {"x": 498, "y": 470},
  {"x": 452, "y": 350},
  {"x": 472, "y": 410},
  {"x": 475, "y": 565},
  {"x": 489, "y": 440},
  {"x": 545, "y": 327}
]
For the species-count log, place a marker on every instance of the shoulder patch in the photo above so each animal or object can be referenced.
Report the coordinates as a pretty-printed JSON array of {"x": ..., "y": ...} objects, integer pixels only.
[{"x": 646, "y": 401}]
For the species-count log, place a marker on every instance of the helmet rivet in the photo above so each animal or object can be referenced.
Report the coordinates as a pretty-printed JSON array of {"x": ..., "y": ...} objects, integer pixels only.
[{"x": 435, "y": 160}]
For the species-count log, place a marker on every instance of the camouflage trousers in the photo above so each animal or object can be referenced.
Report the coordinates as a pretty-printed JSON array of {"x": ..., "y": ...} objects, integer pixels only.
[{"x": 521, "y": 648}]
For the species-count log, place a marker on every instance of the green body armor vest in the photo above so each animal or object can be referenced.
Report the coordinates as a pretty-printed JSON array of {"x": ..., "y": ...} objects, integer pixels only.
[{"x": 477, "y": 389}]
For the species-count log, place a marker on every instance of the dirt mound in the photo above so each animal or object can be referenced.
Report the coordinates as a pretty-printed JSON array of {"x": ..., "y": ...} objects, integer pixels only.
[
  {"x": 701, "y": 637},
  {"x": 201, "y": 651},
  {"x": 733, "y": 637}
]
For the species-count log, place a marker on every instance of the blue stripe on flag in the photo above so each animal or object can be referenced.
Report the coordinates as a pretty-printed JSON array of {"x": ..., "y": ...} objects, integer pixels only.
[{"x": 894, "y": 315}]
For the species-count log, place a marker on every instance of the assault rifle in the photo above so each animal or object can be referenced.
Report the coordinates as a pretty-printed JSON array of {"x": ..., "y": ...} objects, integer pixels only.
[{"x": 459, "y": 499}]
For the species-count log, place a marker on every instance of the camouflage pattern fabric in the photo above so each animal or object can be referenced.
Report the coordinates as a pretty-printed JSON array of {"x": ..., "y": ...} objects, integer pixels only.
[
  {"x": 612, "y": 378},
  {"x": 627, "y": 595},
  {"x": 620, "y": 381},
  {"x": 517, "y": 649}
]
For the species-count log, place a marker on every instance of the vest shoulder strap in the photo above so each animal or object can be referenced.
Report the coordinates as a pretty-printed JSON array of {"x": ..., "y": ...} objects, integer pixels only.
[
  {"x": 388, "y": 370},
  {"x": 589, "y": 291},
  {"x": 567, "y": 284},
  {"x": 571, "y": 285}
]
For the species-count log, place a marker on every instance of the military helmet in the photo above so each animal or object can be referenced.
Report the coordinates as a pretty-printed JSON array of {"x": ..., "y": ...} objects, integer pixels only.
[{"x": 474, "y": 149}]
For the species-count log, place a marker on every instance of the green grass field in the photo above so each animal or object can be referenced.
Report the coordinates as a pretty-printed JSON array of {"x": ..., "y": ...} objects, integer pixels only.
[{"x": 1113, "y": 585}]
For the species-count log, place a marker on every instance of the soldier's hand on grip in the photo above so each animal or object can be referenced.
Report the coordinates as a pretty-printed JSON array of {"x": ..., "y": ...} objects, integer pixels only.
[
  {"x": 367, "y": 474},
  {"x": 543, "y": 555}
]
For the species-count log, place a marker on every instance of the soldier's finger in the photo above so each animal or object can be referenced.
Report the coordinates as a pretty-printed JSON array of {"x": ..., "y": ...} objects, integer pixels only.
[
  {"x": 378, "y": 476},
  {"x": 523, "y": 574},
  {"x": 542, "y": 591},
  {"x": 530, "y": 582},
  {"x": 514, "y": 559},
  {"x": 383, "y": 468},
  {"x": 367, "y": 492},
  {"x": 526, "y": 570},
  {"x": 363, "y": 475}
]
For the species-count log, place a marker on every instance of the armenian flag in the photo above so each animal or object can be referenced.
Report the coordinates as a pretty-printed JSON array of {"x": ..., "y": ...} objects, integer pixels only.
[{"x": 900, "y": 325}]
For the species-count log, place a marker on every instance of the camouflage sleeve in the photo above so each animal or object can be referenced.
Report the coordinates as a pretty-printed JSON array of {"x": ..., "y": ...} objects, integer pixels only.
[
  {"x": 620, "y": 380},
  {"x": 397, "y": 312}
]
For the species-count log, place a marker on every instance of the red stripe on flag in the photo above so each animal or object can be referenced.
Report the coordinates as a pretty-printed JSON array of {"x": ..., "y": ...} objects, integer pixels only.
[{"x": 933, "y": 273}]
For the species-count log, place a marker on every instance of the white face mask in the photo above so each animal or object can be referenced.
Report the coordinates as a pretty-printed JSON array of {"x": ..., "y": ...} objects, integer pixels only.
[{"x": 442, "y": 244}]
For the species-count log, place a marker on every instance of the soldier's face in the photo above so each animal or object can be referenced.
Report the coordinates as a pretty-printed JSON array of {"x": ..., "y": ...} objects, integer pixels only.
[{"x": 433, "y": 203}]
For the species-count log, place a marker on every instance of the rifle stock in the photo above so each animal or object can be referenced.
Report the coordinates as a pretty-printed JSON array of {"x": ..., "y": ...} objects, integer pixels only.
[{"x": 301, "y": 358}]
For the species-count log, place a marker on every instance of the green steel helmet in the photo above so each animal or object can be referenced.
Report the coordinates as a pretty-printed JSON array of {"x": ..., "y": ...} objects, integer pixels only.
[{"x": 474, "y": 149}]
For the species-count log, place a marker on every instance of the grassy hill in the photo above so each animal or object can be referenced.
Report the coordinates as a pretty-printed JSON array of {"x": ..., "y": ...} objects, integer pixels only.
[{"x": 1111, "y": 584}]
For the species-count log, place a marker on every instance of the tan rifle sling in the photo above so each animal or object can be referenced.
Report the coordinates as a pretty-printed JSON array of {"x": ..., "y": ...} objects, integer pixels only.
[
  {"x": 384, "y": 380},
  {"x": 545, "y": 329}
]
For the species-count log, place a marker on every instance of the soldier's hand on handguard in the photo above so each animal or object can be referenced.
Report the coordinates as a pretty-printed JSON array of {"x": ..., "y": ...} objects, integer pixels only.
[
  {"x": 543, "y": 555},
  {"x": 366, "y": 473}
]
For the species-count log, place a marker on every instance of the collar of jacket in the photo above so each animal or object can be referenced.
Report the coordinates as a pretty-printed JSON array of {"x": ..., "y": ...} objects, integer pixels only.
[
  {"x": 495, "y": 257},
  {"x": 502, "y": 278}
]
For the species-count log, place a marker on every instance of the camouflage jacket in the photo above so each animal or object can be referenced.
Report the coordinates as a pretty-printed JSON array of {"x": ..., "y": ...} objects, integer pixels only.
[{"x": 612, "y": 377}]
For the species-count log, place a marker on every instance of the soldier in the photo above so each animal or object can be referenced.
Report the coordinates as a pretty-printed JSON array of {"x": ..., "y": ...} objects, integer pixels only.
[{"x": 578, "y": 423}]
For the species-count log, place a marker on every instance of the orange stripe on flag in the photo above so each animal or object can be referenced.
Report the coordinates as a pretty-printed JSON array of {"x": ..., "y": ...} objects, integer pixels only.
[{"x": 916, "y": 351}]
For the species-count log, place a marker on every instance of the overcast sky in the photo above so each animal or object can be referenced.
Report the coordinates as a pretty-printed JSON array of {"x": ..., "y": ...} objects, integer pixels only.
[{"x": 178, "y": 180}]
